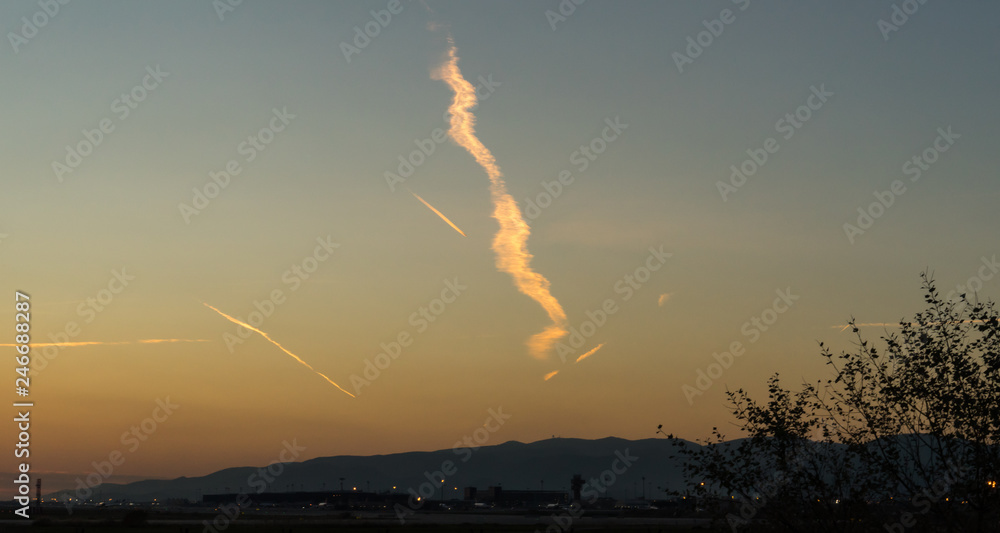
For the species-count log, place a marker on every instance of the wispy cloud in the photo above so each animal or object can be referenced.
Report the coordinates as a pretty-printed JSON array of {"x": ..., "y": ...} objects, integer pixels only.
[{"x": 510, "y": 242}]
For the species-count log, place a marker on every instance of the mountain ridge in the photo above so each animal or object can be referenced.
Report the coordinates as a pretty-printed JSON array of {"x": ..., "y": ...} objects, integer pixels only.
[{"x": 548, "y": 463}]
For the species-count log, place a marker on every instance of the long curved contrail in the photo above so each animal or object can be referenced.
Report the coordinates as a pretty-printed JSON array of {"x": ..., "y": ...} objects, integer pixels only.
[
  {"x": 510, "y": 242},
  {"x": 274, "y": 342}
]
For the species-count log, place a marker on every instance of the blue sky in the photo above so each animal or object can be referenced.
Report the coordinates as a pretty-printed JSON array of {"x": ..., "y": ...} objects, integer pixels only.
[{"x": 655, "y": 185}]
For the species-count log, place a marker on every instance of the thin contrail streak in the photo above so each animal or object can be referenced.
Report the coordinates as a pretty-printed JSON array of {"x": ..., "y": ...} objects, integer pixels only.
[
  {"x": 72, "y": 344},
  {"x": 551, "y": 374},
  {"x": 896, "y": 324},
  {"x": 509, "y": 244},
  {"x": 589, "y": 353},
  {"x": 438, "y": 213},
  {"x": 282, "y": 348},
  {"x": 158, "y": 341}
]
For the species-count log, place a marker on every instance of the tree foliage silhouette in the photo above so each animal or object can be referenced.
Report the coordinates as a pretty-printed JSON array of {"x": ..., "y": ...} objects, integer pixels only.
[{"x": 905, "y": 436}]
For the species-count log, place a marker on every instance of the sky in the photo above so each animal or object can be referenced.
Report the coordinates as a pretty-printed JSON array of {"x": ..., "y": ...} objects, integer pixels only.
[{"x": 266, "y": 157}]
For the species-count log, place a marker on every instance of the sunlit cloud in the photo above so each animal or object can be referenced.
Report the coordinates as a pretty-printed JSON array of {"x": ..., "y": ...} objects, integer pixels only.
[
  {"x": 438, "y": 213},
  {"x": 663, "y": 298},
  {"x": 509, "y": 244},
  {"x": 282, "y": 348},
  {"x": 592, "y": 351},
  {"x": 550, "y": 375}
]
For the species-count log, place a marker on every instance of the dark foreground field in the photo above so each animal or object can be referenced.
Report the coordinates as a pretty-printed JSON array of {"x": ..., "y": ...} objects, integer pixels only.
[
  {"x": 286, "y": 528},
  {"x": 357, "y": 523},
  {"x": 348, "y": 527}
]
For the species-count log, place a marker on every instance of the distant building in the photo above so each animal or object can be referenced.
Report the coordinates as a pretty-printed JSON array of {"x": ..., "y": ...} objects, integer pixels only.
[
  {"x": 515, "y": 498},
  {"x": 335, "y": 499}
]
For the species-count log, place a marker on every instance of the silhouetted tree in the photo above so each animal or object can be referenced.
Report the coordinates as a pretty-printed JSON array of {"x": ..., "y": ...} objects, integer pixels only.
[{"x": 901, "y": 438}]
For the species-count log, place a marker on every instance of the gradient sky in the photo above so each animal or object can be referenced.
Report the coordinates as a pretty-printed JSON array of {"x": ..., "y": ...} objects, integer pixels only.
[{"x": 324, "y": 176}]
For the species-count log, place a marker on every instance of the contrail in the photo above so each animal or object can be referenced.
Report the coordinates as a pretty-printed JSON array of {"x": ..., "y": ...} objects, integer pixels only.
[
  {"x": 591, "y": 352},
  {"x": 282, "y": 348},
  {"x": 72, "y": 344},
  {"x": 896, "y": 325},
  {"x": 509, "y": 244},
  {"x": 438, "y": 213},
  {"x": 157, "y": 341}
]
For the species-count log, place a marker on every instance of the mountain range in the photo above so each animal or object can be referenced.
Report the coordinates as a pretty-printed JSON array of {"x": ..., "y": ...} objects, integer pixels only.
[{"x": 622, "y": 465}]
